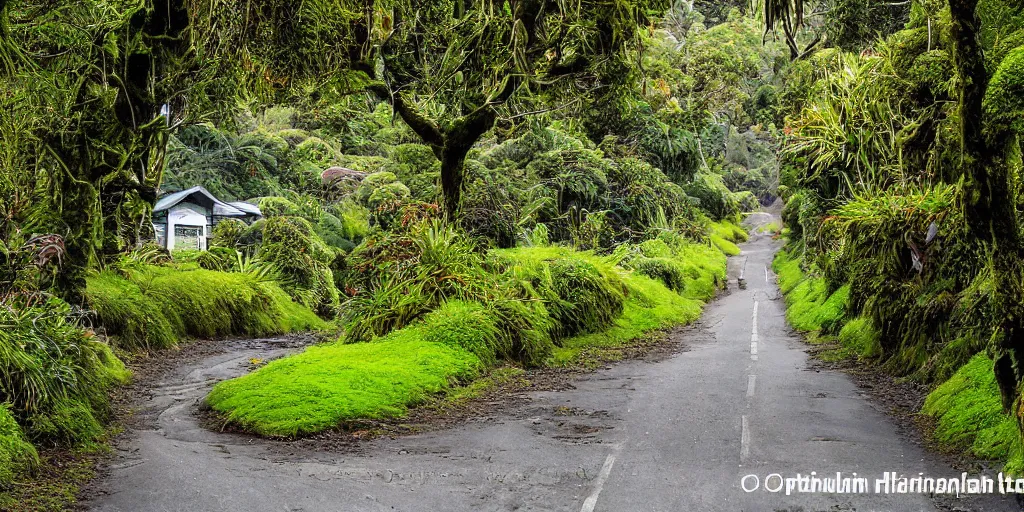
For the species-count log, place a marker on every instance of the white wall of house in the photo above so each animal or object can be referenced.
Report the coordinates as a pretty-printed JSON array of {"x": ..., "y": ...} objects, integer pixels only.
[{"x": 187, "y": 215}]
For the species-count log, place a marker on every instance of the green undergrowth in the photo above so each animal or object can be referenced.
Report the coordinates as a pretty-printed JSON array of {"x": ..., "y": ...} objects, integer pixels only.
[
  {"x": 969, "y": 415},
  {"x": 811, "y": 306},
  {"x": 580, "y": 302},
  {"x": 649, "y": 306},
  {"x": 155, "y": 307},
  {"x": 861, "y": 338}
]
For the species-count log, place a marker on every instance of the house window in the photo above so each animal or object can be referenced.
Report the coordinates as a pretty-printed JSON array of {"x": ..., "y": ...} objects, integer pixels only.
[{"x": 188, "y": 237}]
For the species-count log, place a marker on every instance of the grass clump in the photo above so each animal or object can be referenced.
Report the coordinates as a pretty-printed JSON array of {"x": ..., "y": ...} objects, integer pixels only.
[
  {"x": 589, "y": 299},
  {"x": 861, "y": 337},
  {"x": 16, "y": 453},
  {"x": 726, "y": 246},
  {"x": 154, "y": 306},
  {"x": 581, "y": 292},
  {"x": 970, "y": 415},
  {"x": 330, "y": 384}
]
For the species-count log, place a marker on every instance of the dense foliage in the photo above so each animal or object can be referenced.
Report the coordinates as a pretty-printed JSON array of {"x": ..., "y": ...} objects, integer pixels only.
[
  {"x": 901, "y": 178},
  {"x": 453, "y": 186}
]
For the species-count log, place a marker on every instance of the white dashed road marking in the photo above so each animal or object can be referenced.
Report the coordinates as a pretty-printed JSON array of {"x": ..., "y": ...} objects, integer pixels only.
[
  {"x": 750, "y": 385},
  {"x": 602, "y": 477},
  {"x": 753, "y": 335},
  {"x": 744, "y": 440}
]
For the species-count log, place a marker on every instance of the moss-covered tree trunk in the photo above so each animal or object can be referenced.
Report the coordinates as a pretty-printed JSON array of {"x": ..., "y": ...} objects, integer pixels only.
[
  {"x": 990, "y": 201},
  {"x": 116, "y": 161}
]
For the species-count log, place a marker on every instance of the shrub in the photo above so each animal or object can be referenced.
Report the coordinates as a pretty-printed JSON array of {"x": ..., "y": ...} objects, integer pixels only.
[
  {"x": 715, "y": 198},
  {"x": 277, "y": 206},
  {"x": 589, "y": 300},
  {"x": 304, "y": 259},
  {"x": 55, "y": 374},
  {"x": 640, "y": 195},
  {"x": 373, "y": 182},
  {"x": 227, "y": 233},
  {"x": 217, "y": 258},
  {"x": 578, "y": 178},
  {"x": 666, "y": 270},
  {"x": 401, "y": 276},
  {"x": 745, "y": 200},
  {"x": 580, "y": 293},
  {"x": 416, "y": 166},
  {"x": 395, "y": 192}
]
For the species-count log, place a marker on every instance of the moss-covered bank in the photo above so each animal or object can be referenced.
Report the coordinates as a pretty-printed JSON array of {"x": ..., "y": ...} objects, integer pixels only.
[{"x": 581, "y": 302}]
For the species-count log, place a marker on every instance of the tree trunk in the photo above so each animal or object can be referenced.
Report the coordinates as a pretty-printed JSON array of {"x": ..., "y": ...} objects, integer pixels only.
[
  {"x": 453, "y": 163},
  {"x": 990, "y": 200}
]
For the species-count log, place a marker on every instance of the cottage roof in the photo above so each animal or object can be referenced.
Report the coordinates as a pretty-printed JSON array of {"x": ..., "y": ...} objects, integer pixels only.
[
  {"x": 201, "y": 196},
  {"x": 247, "y": 208}
]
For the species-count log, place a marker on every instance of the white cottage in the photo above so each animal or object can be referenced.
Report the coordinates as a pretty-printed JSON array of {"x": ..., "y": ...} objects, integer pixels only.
[{"x": 184, "y": 220}]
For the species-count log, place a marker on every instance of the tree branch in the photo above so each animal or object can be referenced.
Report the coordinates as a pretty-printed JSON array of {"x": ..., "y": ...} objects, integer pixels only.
[{"x": 425, "y": 127}]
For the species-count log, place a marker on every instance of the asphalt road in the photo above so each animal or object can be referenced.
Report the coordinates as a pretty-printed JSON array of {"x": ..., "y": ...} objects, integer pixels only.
[{"x": 675, "y": 435}]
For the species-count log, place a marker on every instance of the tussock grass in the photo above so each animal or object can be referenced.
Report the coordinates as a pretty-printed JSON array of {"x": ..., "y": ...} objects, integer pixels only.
[
  {"x": 649, "y": 306},
  {"x": 55, "y": 374},
  {"x": 970, "y": 415},
  {"x": 155, "y": 307}
]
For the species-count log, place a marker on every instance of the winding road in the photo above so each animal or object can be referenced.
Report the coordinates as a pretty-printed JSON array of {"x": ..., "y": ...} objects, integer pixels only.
[{"x": 680, "y": 434}]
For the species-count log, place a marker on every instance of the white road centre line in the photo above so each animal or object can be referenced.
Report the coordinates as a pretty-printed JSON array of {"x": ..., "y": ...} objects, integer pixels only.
[
  {"x": 750, "y": 385},
  {"x": 753, "y": 334},
  {"x": 744, "y": 440},
  {"x": 602, "y": 477},
  {"x": 766, "y": 273}
]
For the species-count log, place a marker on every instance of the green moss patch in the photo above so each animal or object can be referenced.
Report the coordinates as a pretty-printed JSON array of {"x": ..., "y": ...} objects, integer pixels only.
[
  {"x": 810, "y": 305},
  {"x": 16, "y": 453},
  {"x": 970, "y": 415},
  {"x": 331, "y": 384},
  {"x": 728, "y": 230},
  {"x": 585, "y": 302}
]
